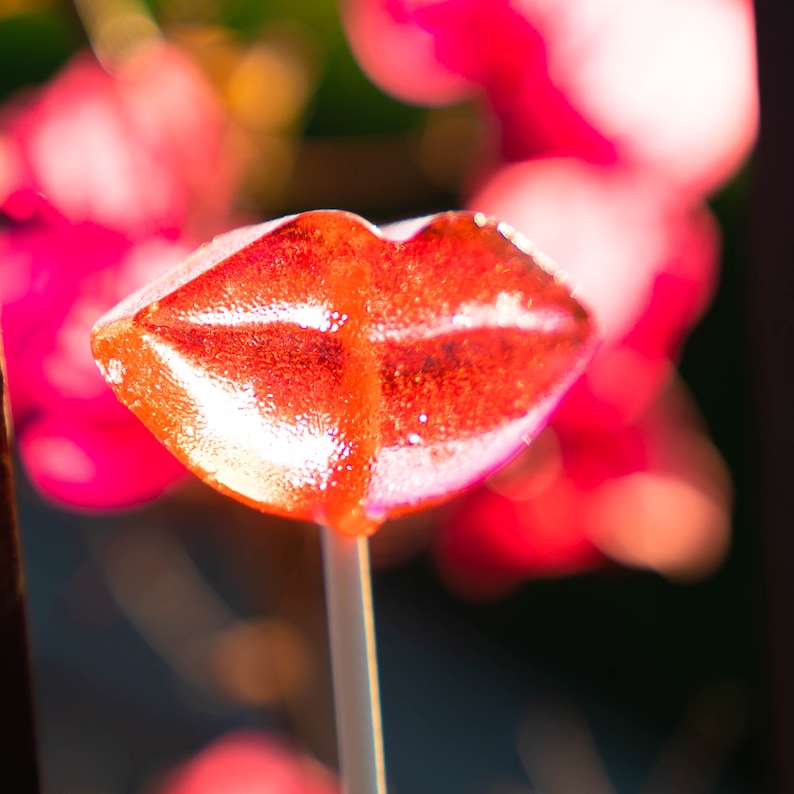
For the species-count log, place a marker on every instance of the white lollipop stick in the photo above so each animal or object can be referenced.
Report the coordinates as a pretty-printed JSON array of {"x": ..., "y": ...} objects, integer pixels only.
[{"x": 354, "y": 664}]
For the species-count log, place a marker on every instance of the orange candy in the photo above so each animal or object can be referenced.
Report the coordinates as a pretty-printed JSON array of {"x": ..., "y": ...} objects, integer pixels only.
[{"x": 320, "y": 368}]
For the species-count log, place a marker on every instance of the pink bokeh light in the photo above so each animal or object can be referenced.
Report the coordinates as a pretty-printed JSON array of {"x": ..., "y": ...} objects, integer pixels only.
[{"x": 246, "y": 762}]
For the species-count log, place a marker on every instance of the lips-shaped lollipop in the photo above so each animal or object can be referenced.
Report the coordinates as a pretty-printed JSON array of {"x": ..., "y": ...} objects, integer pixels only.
[
  {"x": 320, "y": 368},
  {"x": 323, "y": 369}
]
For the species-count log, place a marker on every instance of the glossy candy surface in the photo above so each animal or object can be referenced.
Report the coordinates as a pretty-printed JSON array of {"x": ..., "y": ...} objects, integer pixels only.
[{"x": 320, "y": 368}]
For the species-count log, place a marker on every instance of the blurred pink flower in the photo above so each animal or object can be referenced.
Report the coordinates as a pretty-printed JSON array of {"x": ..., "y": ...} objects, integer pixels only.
[
  {"x": 102, "y": 180},
  {"x": 653, "y": 493},
  {"x": 144, "y": 154},
  {"x": 624, "y": 470},
  {"x": 250, "y": 763},
  {"x": 663, "y": 84}
]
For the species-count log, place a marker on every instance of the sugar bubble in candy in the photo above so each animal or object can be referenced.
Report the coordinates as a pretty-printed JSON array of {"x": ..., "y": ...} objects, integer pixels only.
[{"x": 321, "y": 368}]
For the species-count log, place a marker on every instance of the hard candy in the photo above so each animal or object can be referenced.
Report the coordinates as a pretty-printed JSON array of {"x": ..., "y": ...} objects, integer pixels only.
[{"x": 320, "y": 368}]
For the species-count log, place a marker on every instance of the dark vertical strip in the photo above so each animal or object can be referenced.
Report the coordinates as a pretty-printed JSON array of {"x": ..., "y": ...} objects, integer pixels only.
[
  {"x": 18, "y": 754},
  {"x": 772, "y": 279}
]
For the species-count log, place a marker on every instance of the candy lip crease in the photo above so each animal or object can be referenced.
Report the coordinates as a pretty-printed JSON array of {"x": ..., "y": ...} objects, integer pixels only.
[{"x": 320, "y": 368}]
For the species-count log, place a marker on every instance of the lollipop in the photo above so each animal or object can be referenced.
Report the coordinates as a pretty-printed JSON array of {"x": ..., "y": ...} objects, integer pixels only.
[{"x": 320, "y": 368}]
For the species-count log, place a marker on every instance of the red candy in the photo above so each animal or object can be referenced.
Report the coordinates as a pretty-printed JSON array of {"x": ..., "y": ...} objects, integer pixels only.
[{"x": 319, "y": 368}]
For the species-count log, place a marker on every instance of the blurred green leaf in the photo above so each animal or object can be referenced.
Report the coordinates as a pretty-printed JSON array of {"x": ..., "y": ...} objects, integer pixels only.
[
  {"x": 347, "y": 103},
  {"x": 33, "y": 46}
]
